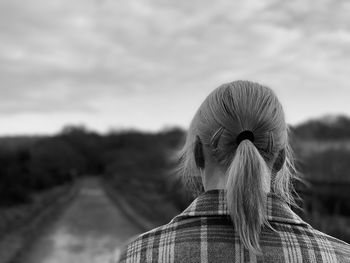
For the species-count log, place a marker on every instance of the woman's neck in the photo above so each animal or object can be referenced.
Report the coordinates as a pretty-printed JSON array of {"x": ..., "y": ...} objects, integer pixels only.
[{"x": 213, "y": 179}]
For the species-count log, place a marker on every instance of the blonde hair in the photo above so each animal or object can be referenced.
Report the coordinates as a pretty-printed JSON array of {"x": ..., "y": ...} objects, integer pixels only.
[{"x": 226, "y": 112}]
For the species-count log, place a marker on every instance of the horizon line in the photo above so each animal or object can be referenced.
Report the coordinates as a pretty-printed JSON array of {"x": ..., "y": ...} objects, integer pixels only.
[{"x": 166, "y": 127}]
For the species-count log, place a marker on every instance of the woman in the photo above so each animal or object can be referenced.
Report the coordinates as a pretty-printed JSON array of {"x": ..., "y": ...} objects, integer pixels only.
[{"x": 237, "y": 144}]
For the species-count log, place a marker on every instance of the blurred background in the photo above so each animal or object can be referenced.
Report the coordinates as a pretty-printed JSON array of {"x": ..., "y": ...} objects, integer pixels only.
[{"x": 96, "y": 94}]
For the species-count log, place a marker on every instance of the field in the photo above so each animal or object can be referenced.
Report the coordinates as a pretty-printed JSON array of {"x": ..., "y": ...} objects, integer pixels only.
[{"x": 135, "y": 165}]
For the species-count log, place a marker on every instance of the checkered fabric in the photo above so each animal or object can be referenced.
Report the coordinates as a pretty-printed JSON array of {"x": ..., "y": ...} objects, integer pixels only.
[{"x": 204, "y": 233}]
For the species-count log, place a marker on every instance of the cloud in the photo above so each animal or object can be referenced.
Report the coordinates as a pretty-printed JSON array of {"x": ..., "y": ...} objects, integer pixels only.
[{"x": 97, "y": 56}]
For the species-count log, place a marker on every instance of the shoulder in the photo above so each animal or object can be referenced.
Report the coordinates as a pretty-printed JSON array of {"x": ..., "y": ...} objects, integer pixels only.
[
  {"x": 334, "y": 241},
  {"x": 136, "y": 248},
  {"x": 161, "y": 242},
  {"x": 333, "y": 247}
]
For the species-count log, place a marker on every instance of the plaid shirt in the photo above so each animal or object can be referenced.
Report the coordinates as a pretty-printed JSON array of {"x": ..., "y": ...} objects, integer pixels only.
[{"x": 204, "y": 233}]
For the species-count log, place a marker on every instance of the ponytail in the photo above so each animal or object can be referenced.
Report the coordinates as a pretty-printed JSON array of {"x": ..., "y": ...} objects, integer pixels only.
[{"x": 247, "y": 184}]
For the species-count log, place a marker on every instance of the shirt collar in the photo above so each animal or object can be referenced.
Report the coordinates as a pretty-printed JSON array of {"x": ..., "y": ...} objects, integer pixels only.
[{"x": 213, "y": 203}]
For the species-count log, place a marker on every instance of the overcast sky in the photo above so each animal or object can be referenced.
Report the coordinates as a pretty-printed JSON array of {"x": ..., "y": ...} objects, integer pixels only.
[{"x": 145, "y": 64}]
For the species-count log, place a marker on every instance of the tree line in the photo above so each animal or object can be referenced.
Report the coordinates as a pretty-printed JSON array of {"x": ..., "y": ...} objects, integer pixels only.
[{"x": 139, "y": 160}]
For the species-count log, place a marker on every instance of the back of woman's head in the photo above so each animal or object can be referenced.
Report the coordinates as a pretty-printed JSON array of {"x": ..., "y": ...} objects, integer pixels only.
[{"x": 251, "y": 163}]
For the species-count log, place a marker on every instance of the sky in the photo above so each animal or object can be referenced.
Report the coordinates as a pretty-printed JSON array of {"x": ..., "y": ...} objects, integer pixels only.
[{"x": 148, "y": 64}]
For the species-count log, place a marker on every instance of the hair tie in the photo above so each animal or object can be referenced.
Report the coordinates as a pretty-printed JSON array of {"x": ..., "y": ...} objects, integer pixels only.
[{"x": 245, "y": 135}]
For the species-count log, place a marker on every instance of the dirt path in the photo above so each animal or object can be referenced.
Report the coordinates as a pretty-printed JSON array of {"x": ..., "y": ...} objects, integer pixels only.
[{"x": 90, "y": 230}]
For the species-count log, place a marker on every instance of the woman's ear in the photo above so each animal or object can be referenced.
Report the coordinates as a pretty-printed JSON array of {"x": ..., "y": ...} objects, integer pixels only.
[
  {"x": 198, "y": 153},
  {"x": 278, "y": 164}
]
